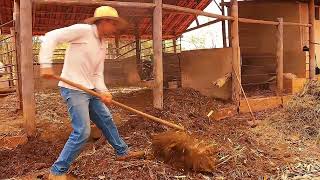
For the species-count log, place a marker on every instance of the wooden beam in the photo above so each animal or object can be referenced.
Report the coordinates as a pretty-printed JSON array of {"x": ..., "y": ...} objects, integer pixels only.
[
  {"x": 224, "y": 34},
  {"x": 296, "y": 24},
  {"x": 197, "y": 21},
  {"x": 217, "y": 5},
  {"x": 312, "y": 36},
  {"x": 16, "y": 18},
  {"x": 194, "y": 11},
  {"x": 256, "y": 21},
  {"x": 97, "y": 2},
  {"x": 27, "y": 67},
  {"x": 280, "y": 57},
  {"x": 235, "y": 53},
  {"x": 223, "y": 17},
  {"x": 157, "y": 56},
  {"x": 202, "y": 25}
]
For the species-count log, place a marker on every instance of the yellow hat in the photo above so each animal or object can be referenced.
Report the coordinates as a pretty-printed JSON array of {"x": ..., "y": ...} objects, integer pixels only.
[{"x": 107, "y": 12}]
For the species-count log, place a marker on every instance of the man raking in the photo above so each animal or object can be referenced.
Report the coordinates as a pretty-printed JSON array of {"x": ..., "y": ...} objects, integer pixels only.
[{"x": 84, "y": 64}]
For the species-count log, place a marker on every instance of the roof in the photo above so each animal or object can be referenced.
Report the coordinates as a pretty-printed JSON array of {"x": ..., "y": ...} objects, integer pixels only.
[
  {"x": 317, "y": 2},
  {"x": 47, "y": 17}
]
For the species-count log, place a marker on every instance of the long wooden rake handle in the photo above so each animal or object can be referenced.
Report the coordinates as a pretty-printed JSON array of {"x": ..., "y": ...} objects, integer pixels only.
[{"x": 150, "y": 117}]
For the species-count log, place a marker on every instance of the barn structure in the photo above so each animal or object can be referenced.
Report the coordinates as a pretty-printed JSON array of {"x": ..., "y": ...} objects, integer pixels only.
[{"x": 263, "y": 40}]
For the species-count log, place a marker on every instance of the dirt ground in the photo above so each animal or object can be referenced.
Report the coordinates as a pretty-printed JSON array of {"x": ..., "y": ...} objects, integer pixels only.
[{"x": 242, "y": 152}]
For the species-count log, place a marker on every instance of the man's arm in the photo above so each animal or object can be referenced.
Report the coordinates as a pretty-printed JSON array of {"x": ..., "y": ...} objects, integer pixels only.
[
  {"x": 52, "y": 39},
  {"x": 100, "y": 85}
]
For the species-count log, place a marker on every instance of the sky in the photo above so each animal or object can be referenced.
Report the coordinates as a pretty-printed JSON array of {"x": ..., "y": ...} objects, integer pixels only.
[{"x": 207, "y": 37}]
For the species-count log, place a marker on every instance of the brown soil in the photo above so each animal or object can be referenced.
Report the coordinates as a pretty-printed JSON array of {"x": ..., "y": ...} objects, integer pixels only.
[{"x": 241, "y": 152}]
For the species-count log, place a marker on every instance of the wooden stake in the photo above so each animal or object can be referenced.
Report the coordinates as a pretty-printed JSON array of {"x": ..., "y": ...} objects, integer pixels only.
[
  {"x": 157, "y": 56},
  {"x": 280, "y": 57},
  {"x": 312, "y": 48},
  {"x": 27, "y": 67},
  {"x": 235, "y": 53},
  {"x": 245, "y": 97}
]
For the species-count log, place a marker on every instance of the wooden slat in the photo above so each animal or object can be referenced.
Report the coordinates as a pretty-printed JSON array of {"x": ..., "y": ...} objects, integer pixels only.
[
  {"x": 280, "y": 57},
  {"x": 27, "y": 67},
  {"x": 312, "y": 37},
  {"x": 157, "y": 56},
  {"x": 224, "y": 35}
]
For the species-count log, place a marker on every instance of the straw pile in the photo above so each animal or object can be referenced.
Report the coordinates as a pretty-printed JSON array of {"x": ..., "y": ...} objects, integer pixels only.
[
  {"x": 183, "y": 151},
  {"x": 301, "y": 115}
]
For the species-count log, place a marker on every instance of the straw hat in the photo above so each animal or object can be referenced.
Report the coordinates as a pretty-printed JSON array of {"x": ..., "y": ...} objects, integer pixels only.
[{"x": 107, "y": 12}]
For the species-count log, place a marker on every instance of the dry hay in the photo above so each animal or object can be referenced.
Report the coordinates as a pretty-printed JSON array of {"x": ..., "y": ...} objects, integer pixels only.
[
  {"x": 308, "y": 169},
  {"x": 183, "y": 151},
  {"x": 183, "y": 104},
  {"x": 301, "y": 115}
]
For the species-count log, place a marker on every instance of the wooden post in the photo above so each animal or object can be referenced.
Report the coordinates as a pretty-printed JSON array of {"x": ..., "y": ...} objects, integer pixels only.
[
  {"x": 236, "y": 69},
  {"x": 312, "y": 48},
  {"x": 157, "y": 55},
  {"x": 138, "y": 49},
  {"x": 27, "y": 76},
  {"x": 117, "y": 45},
  {"x": 280, "y": 57},
  {"x": 174, "y": 41},
  {"x": 16, "y": 16},
  {"x": 10, "y": 55},
  {"x": 8, "y": 61},
  {"x": 224, "y": 35}
]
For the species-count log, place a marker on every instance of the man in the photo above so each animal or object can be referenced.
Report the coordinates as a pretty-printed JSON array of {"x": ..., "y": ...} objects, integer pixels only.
[{"x": 84, "y": 64}]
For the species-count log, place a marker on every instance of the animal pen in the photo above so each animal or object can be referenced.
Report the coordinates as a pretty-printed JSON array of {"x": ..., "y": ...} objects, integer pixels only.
[
  {"x": 157, "y": 21},
  {"x": 269, "y": 52}
]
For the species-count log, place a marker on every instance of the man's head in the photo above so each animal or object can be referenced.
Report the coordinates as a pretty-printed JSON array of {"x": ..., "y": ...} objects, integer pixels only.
[
  {"x": 107, "y": 20},
  {"x": 106, "y": 26}
]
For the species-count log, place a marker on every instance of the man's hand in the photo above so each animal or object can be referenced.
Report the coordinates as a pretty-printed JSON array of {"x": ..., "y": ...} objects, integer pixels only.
[
  {"x": 107, "y": 98},
  {"x": 46, "y": 72}
]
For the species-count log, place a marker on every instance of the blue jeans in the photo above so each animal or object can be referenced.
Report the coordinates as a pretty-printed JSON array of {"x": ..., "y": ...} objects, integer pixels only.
[{"x": 82, "y": 107}]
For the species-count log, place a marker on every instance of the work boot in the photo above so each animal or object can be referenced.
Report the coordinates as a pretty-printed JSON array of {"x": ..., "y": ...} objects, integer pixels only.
[
  {"x": 61, "y": 177},
  {"x": 131, "y": 155}
]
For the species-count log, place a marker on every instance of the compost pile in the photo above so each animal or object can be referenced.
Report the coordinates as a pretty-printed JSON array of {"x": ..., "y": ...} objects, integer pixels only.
[
  {"x": 189, "y": 108},
  {"x": 301, "y": 115},
  {"x": 228, "y": 148}
]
